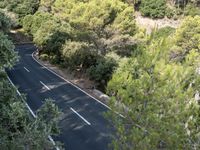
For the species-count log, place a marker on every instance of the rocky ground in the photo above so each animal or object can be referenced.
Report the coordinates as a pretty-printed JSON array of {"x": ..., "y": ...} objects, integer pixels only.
[{"x": 150, "y": 24}]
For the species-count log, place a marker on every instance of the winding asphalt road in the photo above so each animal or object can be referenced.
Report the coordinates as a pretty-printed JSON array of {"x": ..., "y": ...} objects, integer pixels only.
[{"x": 83, "y": 126}]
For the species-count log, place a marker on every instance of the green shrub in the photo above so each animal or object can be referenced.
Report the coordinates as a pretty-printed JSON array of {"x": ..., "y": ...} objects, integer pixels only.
[
  {"x": 153, "y": 8},
  {"x": 102, "y": 71},
  {"x": 191, "y": 10},
  {"x": 163, "y": 32},
  {"x": 78, "y": 55},
  {"x": 23, "y": 7},
  {"x": 187, "y": 38},
  {"x": 5, "y": 22},
  {"x": 159, "y": 96},
  {"x": 3, "y": 4},
  {"x": 27, "y": 24},
  {"x": 54, "y": 59},
  {"x": 50, "y": 38},
  {"x": 31, "y": 23},
  {"x": 44, "y": 57},
  {"x": 170, "y": 12}
]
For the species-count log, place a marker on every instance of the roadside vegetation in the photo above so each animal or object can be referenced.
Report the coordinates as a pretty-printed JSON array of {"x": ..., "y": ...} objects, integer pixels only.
[
  {"x": 152, "y": 79},
  {"x": 159, "y": 90},
  {"x": 89, "y": 37},
  {"x": 167, "y": 8},
  {"x": 18, "y": 129}
]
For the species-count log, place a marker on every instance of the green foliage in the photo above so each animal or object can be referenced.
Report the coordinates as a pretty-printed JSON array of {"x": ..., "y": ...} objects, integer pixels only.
[
  {"x": 187, "y": 37},
  {"x": 78, "y": 55},
  {"x": 192, "y": 10},
  {"x": 44, "y": 57},
  {"x": 18, "y": 129},
  {"x": 50, "y": 37},
  {"x": 49, "y": 115},
  {"x": 45, "y": 5},
  {"x": 18, "y": 9},
  {"x": 48, "y": 33},
  {"x": 162, "y": 33},
  {"x": 21, "y": 7},
  {"x": 44, "y": 32},
  {"x": 157, "y": 96},
  {"x": 7, "y": 54},
  {"x": 171, "y": 8},
  {"x": 170, "y": 12},
  {"x": 97, "y": 22},
  {"x": 124, "y": 22},
  {"x": 174, "y": 12},
  {"x": 3, "y": 3},
  {"x": 103, "y": 69},
  {"x": 87, "y": 28},
  {"x": 5, "y": 22},
  {"x": 31, "y": 23},
  {"x": 153, "y": 8},
  {"x": 27, "y": 23}
]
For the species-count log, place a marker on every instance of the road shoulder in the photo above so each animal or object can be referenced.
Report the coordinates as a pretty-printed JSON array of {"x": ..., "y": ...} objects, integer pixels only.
[{"x": 79, "y": 80}]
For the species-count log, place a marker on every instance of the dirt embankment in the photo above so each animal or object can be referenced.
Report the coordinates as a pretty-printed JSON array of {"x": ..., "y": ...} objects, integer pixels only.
[{"x": 150, "y": 24}]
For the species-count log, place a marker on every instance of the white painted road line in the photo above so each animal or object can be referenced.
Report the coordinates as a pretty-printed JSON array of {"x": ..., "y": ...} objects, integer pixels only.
[
  {"x": 33, "y": 114},
  {"x": 80, "y": 116},
  {"x": 14, "y": 86},
  {"x": 69, "y": 82},
  {"x": 45, "y": 86},
  {"x": 120, "y": 115},
  {"x": 26, "y": 69},
  {"x": 74, "y": 85},
  {"x": 51, "y": 139}
]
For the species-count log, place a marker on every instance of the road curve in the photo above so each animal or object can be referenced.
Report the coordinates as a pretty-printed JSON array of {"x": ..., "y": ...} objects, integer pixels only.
[{"x": 83, "y": 126}]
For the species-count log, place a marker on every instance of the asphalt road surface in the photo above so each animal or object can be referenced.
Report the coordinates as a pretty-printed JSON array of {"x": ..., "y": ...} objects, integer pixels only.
[{"x": 83, "y": 126}]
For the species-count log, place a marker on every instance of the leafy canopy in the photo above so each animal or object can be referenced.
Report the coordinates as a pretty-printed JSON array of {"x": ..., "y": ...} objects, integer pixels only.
[{"x": 156, "y": 94}]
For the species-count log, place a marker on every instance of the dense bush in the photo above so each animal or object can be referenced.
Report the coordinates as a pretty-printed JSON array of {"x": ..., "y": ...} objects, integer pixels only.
[
  {"x": 31, "y": 23},
  {"x": 89, "y": 27},
  {"x": 186, "y": 39},
  {"x": 159, "y": 97},
  {"x": 5, "y": 22},
  {"x": 187, "y": 36},
  {"x": 96, "y": 22},
  {"x": 153, "y": 8},
  {"x": 103, "y": 69},
  {"x": 3, "y": 4},
  {"x": 7, "y": 54},
  {"x": 20, "y": 7},
  {"x": 170, "y": 8},
  {"x": 24, "y": 7},
  {"x": 163, "y": 32},
  {"x": 192, "y": 10},
  {"x": 124, "y": 22},
  {"x": 44, "y": 57},
  {"x": 50, "y": 38},
  {"x": 78, "y": 55},
  {"x": 170, "y": 12}
]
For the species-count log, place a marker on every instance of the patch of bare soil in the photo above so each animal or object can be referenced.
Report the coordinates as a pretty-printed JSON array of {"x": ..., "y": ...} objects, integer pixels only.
[{"x": 150, "y": 24}]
